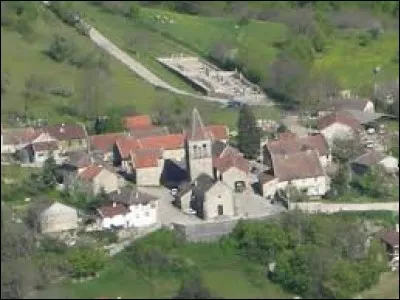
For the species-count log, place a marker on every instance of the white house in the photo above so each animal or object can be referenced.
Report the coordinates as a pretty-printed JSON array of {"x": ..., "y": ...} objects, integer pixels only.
[
  {"x": 338, "y": 125},
  {"x": 40, "y": 151},
  {"x": 130, "y": 208}
]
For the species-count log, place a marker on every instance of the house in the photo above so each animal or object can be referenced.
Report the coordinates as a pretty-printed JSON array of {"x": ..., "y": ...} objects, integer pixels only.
[
  {"x": 122, "y": 151},
  {"x": 52, "y": 217},
  {"x": 362, "y": 164},
  {"x": 14, "y": 139},
  {"x": 148, "y": 165},
  {"x": 113, "y": 215},
  {"x": 288, "y": 144},
  {"x": 97, "y": 177},
  {"x": 390, "y": 239},
  {"x": 302, "y": 170},
  {"x": 338, "y": 125},
  {"x": 148, "y": 131},
  {"x": 70, "y": 137},
  {"x": 341, "y": 104},
  {"x": 137, "y": 122},
  {"x": 142, "y": 206},
  {"x": 39, "y": 152},
  {"x": 103, "y": 144},
  {"x": 209, "y": 198},
  {"x": 173, "y": 145},
  {"x": 232, "y": 169}
]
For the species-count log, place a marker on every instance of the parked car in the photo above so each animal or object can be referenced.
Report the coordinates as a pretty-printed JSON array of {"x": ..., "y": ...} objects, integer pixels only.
[
  {"x": 190, "y": 211},
  {"x": 174, "y": 191}
]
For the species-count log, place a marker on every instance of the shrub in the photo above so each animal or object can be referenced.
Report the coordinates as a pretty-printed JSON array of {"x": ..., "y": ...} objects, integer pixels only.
[
  {"x": 61, "y": 91},
  {"x": 60, "y": 48},
  {"x": 86, "y": 261}
]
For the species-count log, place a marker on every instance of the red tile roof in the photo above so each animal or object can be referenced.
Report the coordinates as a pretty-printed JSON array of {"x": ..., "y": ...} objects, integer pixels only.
[
  {"x": 127, "y": 144},
  {"x": 90, "y": 172},
  {"x": 146, "y": 158},
  {"x": 341, "y": 117},
  {"x": 167, "y": 142},
  {"x": 137, "y": 122},
  {"x": 65, "y": 132},
  {"x": 109, "y": 211},
  {"x": 15, "y": 136},
  {"x": 151, "y": 131},
  {"x": 297, "y": 166},
  {"x": 218, "y": 132},
  {"x": 226, "y": 162},
  {"x": 104, "y": 142},
  {"x": 317, "y": 142},
  {"x": 45, "y": 146},
  {"x": 287, "y": 135},
  {"x": 391, "y": 237}
]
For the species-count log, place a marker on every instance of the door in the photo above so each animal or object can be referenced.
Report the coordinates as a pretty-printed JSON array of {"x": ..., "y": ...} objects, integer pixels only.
[{"x": 220, "y": 210}]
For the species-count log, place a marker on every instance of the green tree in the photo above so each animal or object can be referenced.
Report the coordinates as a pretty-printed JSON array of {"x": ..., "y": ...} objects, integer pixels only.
[
  {"x": 193, "y": 288},
  {"x": 86, "y": 261},
  {"x": 374, "y": 183},
  {"x": 61, "y": 48},
  {"x": 340, "y": 180},
  {"x": 49, "y": 172},
  {"x": 248, "y": 133},
  {"x": 343, "y": 150}
]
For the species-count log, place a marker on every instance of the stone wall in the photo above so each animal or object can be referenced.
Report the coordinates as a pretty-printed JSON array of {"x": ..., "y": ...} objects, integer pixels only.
[{"x": 318, "y": 207}]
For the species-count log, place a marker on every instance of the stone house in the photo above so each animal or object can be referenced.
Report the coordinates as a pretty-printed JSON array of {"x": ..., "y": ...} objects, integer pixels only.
[
  {"x": 142, "y": 206},
  {"x": 172, "y": 145},
  {"x": 70, "y": 137},
  {"x": 302, "y": 170},
  {"x": 148, "y": 166},
  {"x": 103, "y": 144},
  {"x": 122, "y": 152},
  {"x": 364, "y": 162},
  {"x": 209, "y": 198},
  {"x": 52, "y": 217},
  {"x": 39, "y": 152},
  {"x": 232, "y": 169},
  {"x": 14, "y": 139},
  {"x": 97, "y": 176},
  {"x": 338, "y": 125}
]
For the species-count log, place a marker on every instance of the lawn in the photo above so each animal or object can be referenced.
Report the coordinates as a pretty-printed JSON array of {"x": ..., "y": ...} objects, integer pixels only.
[
  {"x": 388, "y": 288},
  {"x": 20, "y": 59},
  {"x": 353, "y": 64},
  {"x": 188, "y": 35},
  {"x": 225, "y": 274}
]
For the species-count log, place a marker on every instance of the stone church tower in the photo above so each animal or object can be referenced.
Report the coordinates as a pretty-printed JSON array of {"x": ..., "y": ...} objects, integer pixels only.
[{"x": 198, "y": 148}]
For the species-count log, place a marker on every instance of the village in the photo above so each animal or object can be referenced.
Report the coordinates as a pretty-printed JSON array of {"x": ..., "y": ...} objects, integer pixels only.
[{"x": 196, "y": 180}]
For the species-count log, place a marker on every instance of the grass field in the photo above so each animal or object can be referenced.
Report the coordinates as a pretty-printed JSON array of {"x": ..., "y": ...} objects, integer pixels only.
[
  {"x": 388, "y": 288},
  {"x": 353, "y": 65},
  {"x": 20, "y": 59},
  {"x": 225, "y": 274}
]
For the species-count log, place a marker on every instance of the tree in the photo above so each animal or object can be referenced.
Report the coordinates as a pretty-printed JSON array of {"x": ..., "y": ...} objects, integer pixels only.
[
  {"x": 345, "y": 149},
  {"x": 373, "y": 183},
  {"x": 49, "y": 172},
  {"x": 86, "y": 261},
  {"x": 134, "y": 11},
  {"x": 193, "y": 288},
  {"x": 4, "y": 82},
  {"x": 340, "y": 181},
  {"x": 35, "y": 87},
  {"x": 248, "y": 133},
  {"x": 60, "y": 48}
]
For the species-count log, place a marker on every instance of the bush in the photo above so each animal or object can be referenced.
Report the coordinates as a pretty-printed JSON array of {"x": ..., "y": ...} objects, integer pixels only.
[
  {"x": 86, "y": 261},
  {"x": 61, "y": 48},
  {"x": 108, "y": 237},
  {"x": 61, "y": 91}
]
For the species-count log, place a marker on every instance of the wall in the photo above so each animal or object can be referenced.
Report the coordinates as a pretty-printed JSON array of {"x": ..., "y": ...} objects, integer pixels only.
[
  {"x": 41, "y": 156},
  {"x": 219, "y": 194},
  {"x": 142, "y": 215},
  {"x": 73, "y": 145},
  {"x": 148, "y": 176},
  {"x": 232, "y": 175},
  {"x": 117, "y": 221},
  {"x": 174, "y": 154},
  {"x": 315, "y": 207},
  {"x": 58, "y": 218},
  {"x": 105, "y": 179}
]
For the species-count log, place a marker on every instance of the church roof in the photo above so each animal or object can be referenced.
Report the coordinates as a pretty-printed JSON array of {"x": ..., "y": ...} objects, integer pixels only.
[{"x": 197, "y": 130}]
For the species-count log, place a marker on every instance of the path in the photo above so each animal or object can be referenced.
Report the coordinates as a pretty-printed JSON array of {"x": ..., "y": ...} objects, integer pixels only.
[{"x": 108, "y": 46}]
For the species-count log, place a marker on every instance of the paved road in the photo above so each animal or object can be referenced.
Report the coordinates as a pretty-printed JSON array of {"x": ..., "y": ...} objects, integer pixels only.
[{"x": 108, "y": 46}]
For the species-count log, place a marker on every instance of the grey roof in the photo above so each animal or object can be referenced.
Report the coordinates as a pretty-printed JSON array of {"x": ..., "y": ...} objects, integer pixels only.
[
  {"x": 129, "y": 195},
  {"x": 197, "y": 130},
  {"x": 367, "y": 117},
  {"x": 369, "y": 158},
  {"x": 203, "y": 182},
  {"x": 78, "y": 159},
  {"x": 217, "y": 148}
]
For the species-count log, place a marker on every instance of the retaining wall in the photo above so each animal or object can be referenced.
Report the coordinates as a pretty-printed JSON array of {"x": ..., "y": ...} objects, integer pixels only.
[{"x": 318, "y": 207}]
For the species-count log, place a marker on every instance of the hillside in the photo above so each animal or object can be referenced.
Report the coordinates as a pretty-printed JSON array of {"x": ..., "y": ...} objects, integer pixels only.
[{"x": 22, "y": 57}]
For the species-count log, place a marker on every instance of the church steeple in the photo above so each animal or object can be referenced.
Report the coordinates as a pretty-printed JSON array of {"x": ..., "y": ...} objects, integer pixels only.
[{"x": 197, "y": 130}]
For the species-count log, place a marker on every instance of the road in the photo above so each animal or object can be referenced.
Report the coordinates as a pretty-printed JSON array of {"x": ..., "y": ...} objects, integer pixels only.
[{"x": 108, "y": 46}]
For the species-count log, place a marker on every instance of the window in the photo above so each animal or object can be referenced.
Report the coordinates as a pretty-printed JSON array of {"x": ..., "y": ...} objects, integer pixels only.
[
  {"x": 147, "y": 214},
  {"x": 220, "y": 210}
]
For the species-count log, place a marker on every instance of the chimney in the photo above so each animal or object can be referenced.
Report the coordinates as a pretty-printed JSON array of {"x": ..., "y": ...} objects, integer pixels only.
[
  {"x": 137, "y": 194},
  {"x": 119, "y": 191},
  {"x": 397, "y": 228},
  {"x": 114, "y": 204},
  {"x": 62, "y": 128}
]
